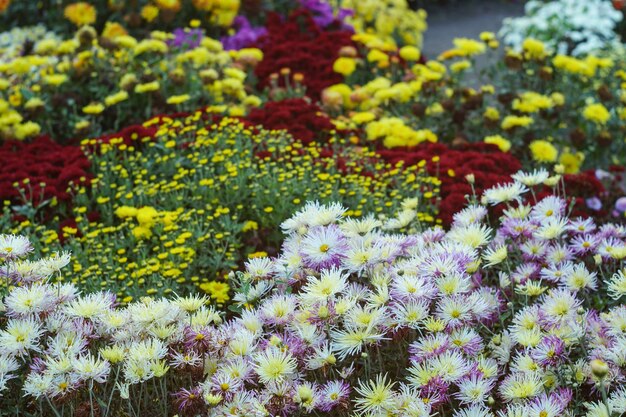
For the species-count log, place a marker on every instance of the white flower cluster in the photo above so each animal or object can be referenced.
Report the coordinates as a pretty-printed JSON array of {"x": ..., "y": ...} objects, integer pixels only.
[
  {"x": 13, "y": 42},
  {"x": 577, "y": 27},
  {"x": 490, "y": 319}
]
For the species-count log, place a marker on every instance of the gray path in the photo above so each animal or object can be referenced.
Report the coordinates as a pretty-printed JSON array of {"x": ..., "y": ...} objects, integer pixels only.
[{"x": 465, "y": 18}]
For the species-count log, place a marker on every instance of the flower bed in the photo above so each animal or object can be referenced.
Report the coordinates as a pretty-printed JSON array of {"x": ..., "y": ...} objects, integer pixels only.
[
  {"x": 347, "y": 318},
  {"x": 184, "y": 199}
]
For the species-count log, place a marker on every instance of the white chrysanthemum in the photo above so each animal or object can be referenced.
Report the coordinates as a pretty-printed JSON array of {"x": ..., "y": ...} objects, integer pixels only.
[
  {"x": 330, "y": 283},
  {"x": 402, "y": 220},
  {"x": 251, "y": 321},
  {"x": 23, "y": 301},
  {"x": 580, "y": 278},
  {"x": 560, "y": 304},
  {"x": 306, "y": 396},
  {"x": 321, "y": 357},
  {"x": 259, "y": 267},
  {"x": 617, "y": 285},
  {"x": 279, "y": 308},
  {"x": 470, "y": 215},
  {"x": 504, "y": 193},
  {"x": 13, "y": 246},
  {"x": 191, "y": 303},
  {"x": 375, "y": 397},
  {"x": 90, "y": 306},
  {"x": 313, "y": 214},
  {"x": 360, "y": 255},
  {"x": 521, "y": 386},
  {"x": 88, "y": 367},
  {"x": 474, "y": 235},
  {"x": 8, "y": 364},
  {"x": 60, "y": 364},
  {"x": 242, "y": 343},
  {"x": 552, "y": 228},
  {"x": 20, "y": 336},
  {"x": 351, "y": 341},
  {"x": 154, "y": 312},
  {"x": 453, "y": 283},
  {"x": 496, "y": 255},
  {"x": 56, "y": 262},
  {"x": 617, "y": 401},
  {"x": 474, "y": 410},
  {"x": 274, "y": 365},
  {"x": 37, "y": 385},
  {"x": 530, "y": 179},
  {"x": 548, "y": 208},
  {"x": 454, "y": 310},
  {"x": 410, "y": 314},
  {"x": 360, "y": 227},
  {"x": 597, "y": 409},
  {"x": 137, "y": 370},
  {"x": 522, "y": 211},
  {"x": 147, "y": 350},
  {"x": 450, "y": 366}
]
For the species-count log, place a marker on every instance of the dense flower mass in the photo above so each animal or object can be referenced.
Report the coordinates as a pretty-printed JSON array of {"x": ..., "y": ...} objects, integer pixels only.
[
  {"x": 566, "y": 25},
  {"x": 40, "y": 171},
  {"x": 299, "y": 46},
  {"x": 189, "y": 197},
  {"x": 242, "y": 208},
  {"x": 349, "y": 318}
]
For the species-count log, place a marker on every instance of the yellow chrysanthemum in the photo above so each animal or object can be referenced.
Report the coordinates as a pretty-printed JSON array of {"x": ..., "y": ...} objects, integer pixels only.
[{"x": 80, "y": 13}]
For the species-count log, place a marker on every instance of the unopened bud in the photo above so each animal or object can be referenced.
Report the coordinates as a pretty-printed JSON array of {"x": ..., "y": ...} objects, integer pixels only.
[{"x": 599, "y": 368}]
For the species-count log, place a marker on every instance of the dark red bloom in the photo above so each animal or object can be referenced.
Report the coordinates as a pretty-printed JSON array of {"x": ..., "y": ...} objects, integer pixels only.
[
  {"x": 489, "y": 166},
  {"x": 42, "y": 161},
  {"x": 299, "y": 117},
  {"x": 300, "y": 45}
]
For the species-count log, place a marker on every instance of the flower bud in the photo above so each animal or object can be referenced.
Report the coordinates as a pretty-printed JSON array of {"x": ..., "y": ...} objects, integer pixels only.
[{"x": 599, "y": 368}]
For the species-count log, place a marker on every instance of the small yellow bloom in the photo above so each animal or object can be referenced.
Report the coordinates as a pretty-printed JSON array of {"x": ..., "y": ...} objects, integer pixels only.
[
  {"x": 410, "y": 53},
  {"x": 460, "y": 66},
  {"x": 113, "y": 99},
  {"x": 543, "y": 151},
  {"x": 502, "y": 144},
  {"x": 534, "y": 49},
  {"x": 80, "y": 13},
  {"x": 147, "y": 87},
  {"x": 178, "y": 99},
  {"x": 571, "y": 162},
  {"x": 93, "y": 108},
  {"x": 597, "y": 113},
  {"x": 149, "y": 12},
  {"x": 344, "y": 66}
]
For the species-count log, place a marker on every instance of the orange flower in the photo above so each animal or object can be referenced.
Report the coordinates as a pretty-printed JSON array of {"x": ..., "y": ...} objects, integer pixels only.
[
  {"x": 80, "y": 13},
  {"x": 169, "y": 5},
  {"x": 204, "y": 5},
  {"x": 4, "y": 4},
  {"x": 113, "y": 30}
]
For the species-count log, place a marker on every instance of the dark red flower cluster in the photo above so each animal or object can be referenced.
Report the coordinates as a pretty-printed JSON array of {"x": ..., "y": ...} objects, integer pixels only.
[
  {"x": 42, "y": 161},
  {"x": 300, "y": 45},
  {"x": 486, "y": 162},
  {"x": 302, "y": 119}
]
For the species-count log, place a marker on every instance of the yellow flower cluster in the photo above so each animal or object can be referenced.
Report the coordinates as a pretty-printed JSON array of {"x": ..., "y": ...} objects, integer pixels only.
[
  {"x": 80, "y": 13},
  {"x": 181, "y": 209},
  {"x": 389, "y": 20},
  {"x": 220, "y": 12},
  {"x": 394, "y": 133},
  {"x": 79, "y": 85},
  {"x": 577, "y": 102}
]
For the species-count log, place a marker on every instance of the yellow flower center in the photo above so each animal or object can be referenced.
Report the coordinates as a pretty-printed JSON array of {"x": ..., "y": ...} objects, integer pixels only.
[{"x": 324, "y": 248}]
